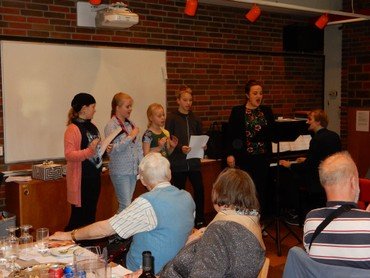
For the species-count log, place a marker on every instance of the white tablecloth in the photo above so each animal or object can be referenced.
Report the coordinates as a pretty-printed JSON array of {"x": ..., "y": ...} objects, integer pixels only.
[{"x": 33, "y": 257}]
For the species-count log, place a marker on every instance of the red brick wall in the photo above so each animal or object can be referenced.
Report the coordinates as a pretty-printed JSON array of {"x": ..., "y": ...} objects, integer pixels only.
[
  {"x": 215, "y": 52},
  {"x": 355, "y": 64}
]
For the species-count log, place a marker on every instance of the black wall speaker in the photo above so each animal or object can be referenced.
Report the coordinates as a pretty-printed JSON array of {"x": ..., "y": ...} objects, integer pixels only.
[{"x": 302, "y": 38}]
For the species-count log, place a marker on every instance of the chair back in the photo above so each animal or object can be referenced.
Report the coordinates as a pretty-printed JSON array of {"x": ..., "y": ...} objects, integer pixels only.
[
  {"x": 265, "y": 269},
  {"x": 299, "y": 264},
  {"x": 364, "y": 199}
]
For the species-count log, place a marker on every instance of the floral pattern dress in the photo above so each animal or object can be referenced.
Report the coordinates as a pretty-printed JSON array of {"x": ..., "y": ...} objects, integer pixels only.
[{"x": 255, "y": 121}]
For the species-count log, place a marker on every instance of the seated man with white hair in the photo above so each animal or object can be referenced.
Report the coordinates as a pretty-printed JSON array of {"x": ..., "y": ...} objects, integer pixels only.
[
  {"x": 159, "y": 221},
  {"x": 339, "y": 234}
]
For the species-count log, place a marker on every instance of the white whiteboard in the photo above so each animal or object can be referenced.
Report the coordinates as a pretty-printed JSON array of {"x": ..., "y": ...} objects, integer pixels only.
[{"x": 40, "y": 79}]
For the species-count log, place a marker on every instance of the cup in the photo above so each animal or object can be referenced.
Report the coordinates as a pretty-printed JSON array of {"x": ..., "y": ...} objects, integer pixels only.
[
  {"x": 90, "y": 261},
  {"x": 42, "y": 240}
]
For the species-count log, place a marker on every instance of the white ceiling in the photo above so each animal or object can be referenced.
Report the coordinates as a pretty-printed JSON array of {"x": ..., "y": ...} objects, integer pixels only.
[{"x": 316, "y": 4}]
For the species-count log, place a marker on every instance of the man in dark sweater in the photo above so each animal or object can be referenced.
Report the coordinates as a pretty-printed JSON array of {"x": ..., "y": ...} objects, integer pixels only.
[{"x": 324, "y": 142}]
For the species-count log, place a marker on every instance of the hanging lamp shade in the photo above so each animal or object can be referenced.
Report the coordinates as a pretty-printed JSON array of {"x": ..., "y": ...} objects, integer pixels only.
[
  {"x": 191, "y": 7},
  {"x": 253, "y": 13},
  {"x": 95, "y": 2},
  {"x": 322, "y": 21}
]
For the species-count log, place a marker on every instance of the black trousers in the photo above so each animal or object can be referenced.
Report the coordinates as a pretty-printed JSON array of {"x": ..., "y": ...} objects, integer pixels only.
[
  {"x": 258, "y": 167},
  {"x": 85, "y": 215},
  {"x": 195, "y": 177}
]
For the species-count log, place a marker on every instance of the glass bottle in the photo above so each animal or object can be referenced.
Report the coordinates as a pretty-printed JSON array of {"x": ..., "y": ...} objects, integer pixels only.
[{"x": 148, "y": 269}]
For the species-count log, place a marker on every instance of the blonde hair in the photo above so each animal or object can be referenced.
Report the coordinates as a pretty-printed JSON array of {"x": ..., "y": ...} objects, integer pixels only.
[
  {"x": 118, "y": 100},
  {"x": 150, "y": 111},
  {"x": 182, "y": 90},
  {"x": 319, "y": 115},
  {"x": 72, "y": 114}
]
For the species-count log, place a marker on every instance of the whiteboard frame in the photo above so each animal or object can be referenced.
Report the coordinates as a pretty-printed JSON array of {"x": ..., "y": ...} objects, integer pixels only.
[{"x": 34, "y": 134}]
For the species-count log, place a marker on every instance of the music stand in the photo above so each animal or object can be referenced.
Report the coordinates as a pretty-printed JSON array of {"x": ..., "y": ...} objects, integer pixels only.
[{"x": 284, "y": 131}]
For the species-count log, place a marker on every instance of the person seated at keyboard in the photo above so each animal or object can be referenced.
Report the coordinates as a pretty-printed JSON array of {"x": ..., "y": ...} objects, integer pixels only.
[{"x": 323, "y": 143}]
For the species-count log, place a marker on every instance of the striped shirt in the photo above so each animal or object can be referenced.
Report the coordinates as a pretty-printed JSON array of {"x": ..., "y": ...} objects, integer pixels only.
[
  {"x": 138, "y": 217},
  {"x": 346, "y": 239}
]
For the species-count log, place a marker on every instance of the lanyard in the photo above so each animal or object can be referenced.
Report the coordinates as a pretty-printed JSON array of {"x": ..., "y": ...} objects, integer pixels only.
[{"x": 124, "y": 128}]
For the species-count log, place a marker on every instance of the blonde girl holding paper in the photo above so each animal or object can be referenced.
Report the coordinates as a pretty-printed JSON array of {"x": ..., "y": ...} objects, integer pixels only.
[
  {"x": 126, "y": 152},
  {"x": 156, "y": 138}
]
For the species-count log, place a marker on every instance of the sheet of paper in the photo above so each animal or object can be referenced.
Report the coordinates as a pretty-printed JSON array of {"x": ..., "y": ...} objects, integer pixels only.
[
  {"x": 300, "y": 144},
  {"x": 104, "y": 143},
  {"x": 18, "y": 178},
  {"x": 362, "y": 121},
  {"x": 197, "y": 143}
]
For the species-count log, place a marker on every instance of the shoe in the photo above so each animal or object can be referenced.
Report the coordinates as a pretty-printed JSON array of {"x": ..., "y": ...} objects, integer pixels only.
[
  {"x": 264, "y": 233},
  {"x": 292, "y": 219},
  {"x": 199, "y": 225}
]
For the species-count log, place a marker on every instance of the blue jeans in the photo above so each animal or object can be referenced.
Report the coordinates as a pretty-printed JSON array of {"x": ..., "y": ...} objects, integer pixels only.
[{"x": 124, "y": 185}]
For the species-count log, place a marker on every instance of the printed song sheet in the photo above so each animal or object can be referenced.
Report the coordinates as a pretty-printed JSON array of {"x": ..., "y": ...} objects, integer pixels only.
[{"x": 197, "y": 144}]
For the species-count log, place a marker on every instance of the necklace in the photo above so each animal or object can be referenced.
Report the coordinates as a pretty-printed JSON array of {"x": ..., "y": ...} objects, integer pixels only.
[{"x": 246, "y": 212}]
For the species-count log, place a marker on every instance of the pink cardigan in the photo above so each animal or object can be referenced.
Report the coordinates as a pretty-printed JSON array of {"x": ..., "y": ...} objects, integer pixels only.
[{"x": 74, "y": 156}]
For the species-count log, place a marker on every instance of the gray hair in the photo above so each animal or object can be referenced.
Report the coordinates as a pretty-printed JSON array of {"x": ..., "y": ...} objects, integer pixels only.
[
  {"x": 154, "y": 169},
  {"x": 337, "y": 169}
]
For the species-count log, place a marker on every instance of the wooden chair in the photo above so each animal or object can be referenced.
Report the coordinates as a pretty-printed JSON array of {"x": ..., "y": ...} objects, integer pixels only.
[
  {"x": 364, "y": 199},
  {"x": 265, "y": 269}
]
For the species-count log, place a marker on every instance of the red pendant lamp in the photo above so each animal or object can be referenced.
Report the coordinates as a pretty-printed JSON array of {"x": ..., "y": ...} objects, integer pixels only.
[
  {"x": 191, "y": 7},
  {"x": 95, "y": 2},
  {"x": 322, "y": 21},
  {"x": 253, "y": 13}
]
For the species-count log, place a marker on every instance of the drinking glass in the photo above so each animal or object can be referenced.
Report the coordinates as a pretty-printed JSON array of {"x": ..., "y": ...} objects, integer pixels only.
[
  {"x": 25, "y": 239},
  {"x": 42, "y": 240},
  {"x": 12, "y": 252},
  {"x": 11, "y": 232},
  {"x": 3, "y": 246},
  {"x": 90, "y": 261}
]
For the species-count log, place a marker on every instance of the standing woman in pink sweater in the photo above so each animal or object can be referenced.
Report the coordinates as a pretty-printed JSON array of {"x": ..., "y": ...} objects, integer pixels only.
[{"x": 81, "y": 139}]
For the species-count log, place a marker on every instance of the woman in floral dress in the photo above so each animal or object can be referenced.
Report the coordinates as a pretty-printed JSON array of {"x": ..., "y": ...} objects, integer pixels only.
[{"x": 249, "y": 138}]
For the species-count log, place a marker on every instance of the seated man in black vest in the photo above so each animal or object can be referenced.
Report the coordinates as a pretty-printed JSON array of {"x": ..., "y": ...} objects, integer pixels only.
[{"x": 323, "y": 143}]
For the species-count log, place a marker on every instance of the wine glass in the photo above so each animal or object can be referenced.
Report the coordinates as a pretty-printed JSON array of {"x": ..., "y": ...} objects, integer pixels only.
[
  {"x": 3, "y": 246},
  {"x": 26, "y": 238},
  {"x": 11, "y": 252},
  {"x": 11, "y": 232}
]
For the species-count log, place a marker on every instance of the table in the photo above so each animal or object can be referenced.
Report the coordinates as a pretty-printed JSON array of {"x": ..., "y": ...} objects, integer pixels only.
[
  {"x": 33, "y": 257},
  {"x": 44, "y": 203}
]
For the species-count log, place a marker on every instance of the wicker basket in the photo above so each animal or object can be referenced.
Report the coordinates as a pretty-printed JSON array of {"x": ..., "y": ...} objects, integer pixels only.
[{"x": 7, "y": 222}]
